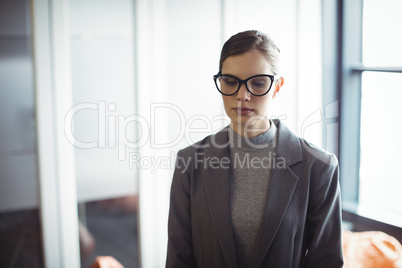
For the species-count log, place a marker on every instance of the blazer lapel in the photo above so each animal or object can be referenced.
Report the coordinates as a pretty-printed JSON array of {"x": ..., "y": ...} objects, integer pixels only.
[
  {"x": 281, "y": 187},
  {"x": 218, "y": 195},
  {"x": 283, "y": 182}
]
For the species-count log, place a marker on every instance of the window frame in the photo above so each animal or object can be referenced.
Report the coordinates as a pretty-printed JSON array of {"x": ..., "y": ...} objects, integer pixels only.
[{"x": 349, "y": 72}]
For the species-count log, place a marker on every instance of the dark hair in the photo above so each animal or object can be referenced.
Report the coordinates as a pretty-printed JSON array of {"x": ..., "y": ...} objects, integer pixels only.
[{"x": 251, "y": 40}]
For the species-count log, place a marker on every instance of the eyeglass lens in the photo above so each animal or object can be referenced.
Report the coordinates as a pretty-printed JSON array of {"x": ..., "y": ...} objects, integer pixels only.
[{"x": 258, "y": 85}]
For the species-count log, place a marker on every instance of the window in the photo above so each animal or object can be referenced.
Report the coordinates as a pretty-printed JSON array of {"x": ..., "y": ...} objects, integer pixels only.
[
  {"x": 20, "y": 229},
  {"x": 380, "y": 176},
  {"x": 370, "y": 109}
]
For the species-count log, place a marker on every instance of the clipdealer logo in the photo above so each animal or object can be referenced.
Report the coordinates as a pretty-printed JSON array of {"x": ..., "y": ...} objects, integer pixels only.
[
  {"x": 127, "y": 133},
  {"x": 134, "y": 131}
]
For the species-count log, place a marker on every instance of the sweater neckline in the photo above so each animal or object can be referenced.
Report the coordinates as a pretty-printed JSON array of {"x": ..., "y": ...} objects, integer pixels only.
[{"x": 261, "y": 141}]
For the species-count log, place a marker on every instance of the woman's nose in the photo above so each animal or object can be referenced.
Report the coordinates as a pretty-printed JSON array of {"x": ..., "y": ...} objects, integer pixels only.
[{"x": 243, "y": 94}]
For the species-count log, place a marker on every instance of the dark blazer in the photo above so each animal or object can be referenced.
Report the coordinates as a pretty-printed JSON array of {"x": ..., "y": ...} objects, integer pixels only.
[{"x": 301, "y": 226}]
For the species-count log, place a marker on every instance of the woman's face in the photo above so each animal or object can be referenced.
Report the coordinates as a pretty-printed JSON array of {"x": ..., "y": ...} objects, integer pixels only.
[{"x": 249, "y": 113}]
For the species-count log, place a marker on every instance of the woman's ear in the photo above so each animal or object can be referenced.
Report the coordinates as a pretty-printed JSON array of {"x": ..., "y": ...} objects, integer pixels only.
[{"x": 278, "y": 84}]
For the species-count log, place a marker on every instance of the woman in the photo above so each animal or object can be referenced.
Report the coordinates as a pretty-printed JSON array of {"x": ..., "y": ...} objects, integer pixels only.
[{"x": 253, "y": 194}]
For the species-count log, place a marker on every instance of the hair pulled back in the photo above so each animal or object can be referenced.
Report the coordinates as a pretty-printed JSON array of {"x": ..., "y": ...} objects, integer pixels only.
[{"x": 251, "y": 40}]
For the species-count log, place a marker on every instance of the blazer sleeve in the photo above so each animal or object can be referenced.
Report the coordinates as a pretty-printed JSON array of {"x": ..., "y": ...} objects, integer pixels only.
[
  {"x": 324, "y": 220},
  {"x": 180, "y": 251}
]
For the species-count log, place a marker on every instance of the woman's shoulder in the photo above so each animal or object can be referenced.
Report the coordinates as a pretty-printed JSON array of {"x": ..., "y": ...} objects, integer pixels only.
[
  {"x": 315, "y": 152},
  {"x": 292, "y": 144}
]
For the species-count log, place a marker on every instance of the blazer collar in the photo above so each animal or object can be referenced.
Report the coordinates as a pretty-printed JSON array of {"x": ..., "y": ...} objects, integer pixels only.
[
  {"x": 282, "y": 185},
  {"x": 283, "y": 182},
  {"x": 218, "y": 195},
  {"x": 289, "y": 146}
]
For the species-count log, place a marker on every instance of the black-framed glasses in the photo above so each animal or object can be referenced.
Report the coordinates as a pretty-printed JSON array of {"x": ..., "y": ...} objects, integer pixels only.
[{"x": 258, "y": 85}]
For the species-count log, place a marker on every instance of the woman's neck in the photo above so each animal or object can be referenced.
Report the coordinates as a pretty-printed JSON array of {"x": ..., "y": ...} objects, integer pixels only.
[{"x": 251, "y": 130}]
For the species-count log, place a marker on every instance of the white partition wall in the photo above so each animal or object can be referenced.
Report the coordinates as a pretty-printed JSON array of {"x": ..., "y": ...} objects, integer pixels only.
[
  {"x": 104, "y": 97},
  {"x": 55, "y": 154},
  {"x": 102, "y": 126},
  {"x": 85, "y": 98}
]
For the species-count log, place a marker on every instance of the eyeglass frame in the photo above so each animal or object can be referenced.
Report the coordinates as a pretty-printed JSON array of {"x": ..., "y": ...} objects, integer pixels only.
[{"x": 272, "y": 77}]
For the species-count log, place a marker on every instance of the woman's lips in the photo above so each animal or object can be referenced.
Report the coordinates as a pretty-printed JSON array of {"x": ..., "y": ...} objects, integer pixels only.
[{"x": 242, "y": 110}]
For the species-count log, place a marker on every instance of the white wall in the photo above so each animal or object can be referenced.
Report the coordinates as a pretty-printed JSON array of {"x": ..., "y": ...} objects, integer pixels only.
[{"x": 104, "y": 97}]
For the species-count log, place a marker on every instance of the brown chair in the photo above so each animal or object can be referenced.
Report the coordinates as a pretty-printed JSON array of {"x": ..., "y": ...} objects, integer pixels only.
[{"x": 371, "y": 250}]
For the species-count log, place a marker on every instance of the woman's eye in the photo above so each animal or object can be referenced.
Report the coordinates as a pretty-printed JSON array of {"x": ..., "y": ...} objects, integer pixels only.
[
  {"x": 258, "y": 84},
  {"x": 229, "y": 82}
]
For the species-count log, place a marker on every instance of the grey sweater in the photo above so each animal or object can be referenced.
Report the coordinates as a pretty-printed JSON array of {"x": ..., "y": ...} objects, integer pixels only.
[{"x": 249, "y": 181}]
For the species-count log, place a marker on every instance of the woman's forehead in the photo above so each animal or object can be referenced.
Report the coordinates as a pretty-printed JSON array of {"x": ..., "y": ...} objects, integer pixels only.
[{"x": 244, "y": 65}]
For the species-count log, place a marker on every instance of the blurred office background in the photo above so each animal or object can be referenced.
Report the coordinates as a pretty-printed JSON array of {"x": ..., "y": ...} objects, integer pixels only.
[{"x": 97, "y": 97}]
